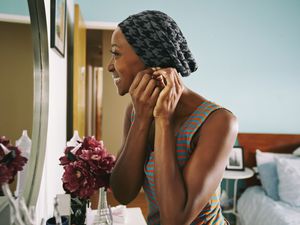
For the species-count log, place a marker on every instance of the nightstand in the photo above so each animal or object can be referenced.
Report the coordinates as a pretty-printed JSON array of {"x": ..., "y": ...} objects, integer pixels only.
[{"x": 235, "y": 175}]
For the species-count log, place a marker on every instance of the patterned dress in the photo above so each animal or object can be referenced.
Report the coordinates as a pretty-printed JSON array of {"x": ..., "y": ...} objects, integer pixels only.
[{"x": 211, "y": 214}]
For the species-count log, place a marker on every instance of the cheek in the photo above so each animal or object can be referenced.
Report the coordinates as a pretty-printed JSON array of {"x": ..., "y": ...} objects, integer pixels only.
[
  {"x": 126, "y": 77},
  {"x": 128, "y": 69},
  {"x": 124, "y": 71},
  {"x": 136, "y": 67}
]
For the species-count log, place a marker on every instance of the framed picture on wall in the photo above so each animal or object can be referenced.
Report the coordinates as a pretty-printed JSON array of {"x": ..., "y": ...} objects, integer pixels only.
[
  {"x": 236, "y": 159},
  {"x": 58, "y": 26}
]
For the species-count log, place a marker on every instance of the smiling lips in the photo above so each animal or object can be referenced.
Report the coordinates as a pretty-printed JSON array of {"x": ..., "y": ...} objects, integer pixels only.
[{"x": 116, "y": 79}]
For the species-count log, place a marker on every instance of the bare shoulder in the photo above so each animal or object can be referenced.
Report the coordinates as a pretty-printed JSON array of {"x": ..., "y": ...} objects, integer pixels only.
[
  {"x": 223, "y": 117},
  {"x": 222, "y": 122}
]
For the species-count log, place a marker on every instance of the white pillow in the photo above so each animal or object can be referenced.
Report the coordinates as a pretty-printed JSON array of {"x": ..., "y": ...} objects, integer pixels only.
[
  {"x": 289, "y": 180},
  {"x": 265, "y": 157},
  {"x": 297, "y": 151},
  {"x": 266, "y": 165}
]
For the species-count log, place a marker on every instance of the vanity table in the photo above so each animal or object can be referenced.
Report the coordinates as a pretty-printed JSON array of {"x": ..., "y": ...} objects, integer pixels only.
[
  {"x": 134, "y": 216},
  {"x": 136, "y": 210}
]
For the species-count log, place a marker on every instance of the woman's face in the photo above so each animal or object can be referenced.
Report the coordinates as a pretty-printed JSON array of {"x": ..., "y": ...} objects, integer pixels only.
[{"x": 124, "y": 63}]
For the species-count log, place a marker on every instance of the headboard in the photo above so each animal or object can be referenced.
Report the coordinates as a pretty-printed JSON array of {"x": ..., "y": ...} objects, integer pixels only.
[{"x": 280, "y": 143}]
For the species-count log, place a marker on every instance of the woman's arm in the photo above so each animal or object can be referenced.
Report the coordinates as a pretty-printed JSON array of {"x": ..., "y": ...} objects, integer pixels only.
[
  {"x": 183, "y": 194},
  {"x": 128, "y": 174}
]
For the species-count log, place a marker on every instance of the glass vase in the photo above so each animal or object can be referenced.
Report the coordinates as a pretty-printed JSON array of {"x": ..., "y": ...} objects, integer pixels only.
[
  {"x": 20, "y": 213},
  {"x": 78, "y": 213},
  {"x": 104, "y": 215}
]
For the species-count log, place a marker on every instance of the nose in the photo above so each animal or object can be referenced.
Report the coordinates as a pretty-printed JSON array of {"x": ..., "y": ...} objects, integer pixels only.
[{"x": 111, "y": 67}]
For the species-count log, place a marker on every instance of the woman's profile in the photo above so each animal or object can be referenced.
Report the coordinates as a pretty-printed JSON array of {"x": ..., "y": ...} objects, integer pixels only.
[{"x": 176, "y": 142}]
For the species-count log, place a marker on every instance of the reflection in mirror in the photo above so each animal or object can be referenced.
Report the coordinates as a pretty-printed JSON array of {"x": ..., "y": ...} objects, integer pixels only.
[
  {"x": 16, "y": 79},
  {"x": 24, "y": 88}
]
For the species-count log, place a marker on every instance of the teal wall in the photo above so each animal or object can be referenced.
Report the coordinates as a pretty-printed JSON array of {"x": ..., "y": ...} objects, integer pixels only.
[
  {"x": 16, "y": 7},
  {"x": 248, "y": 53}
]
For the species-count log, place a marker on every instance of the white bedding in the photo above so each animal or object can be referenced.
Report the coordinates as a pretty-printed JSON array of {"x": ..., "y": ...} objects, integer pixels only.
[{"x": 256, "y": 208}]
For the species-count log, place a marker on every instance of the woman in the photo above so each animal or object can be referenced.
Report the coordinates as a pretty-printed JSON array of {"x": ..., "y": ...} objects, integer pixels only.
[{"x": 176, "y": 143}]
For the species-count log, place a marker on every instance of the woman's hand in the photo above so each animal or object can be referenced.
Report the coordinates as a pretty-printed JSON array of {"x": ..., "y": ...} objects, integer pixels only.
[
  {"x": 144, "y": 92},
  {"x": 170, "y": 94}
]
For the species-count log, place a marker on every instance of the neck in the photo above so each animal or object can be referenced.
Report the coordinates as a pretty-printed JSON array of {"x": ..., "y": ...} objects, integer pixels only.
[{"x": 188, "y": 102}]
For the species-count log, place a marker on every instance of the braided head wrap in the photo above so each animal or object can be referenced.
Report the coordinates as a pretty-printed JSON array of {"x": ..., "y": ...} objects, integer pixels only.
[{"x": 158, "y": 41}]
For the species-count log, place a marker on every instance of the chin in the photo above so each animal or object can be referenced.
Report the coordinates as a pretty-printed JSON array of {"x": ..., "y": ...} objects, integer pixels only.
[{"x": 122, "y": 92}]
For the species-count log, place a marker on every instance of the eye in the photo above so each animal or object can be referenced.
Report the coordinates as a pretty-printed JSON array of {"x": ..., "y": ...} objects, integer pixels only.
[{"x": 115, "y": 53}]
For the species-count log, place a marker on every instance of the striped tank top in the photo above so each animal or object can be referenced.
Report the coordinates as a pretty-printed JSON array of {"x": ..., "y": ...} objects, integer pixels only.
[{"x": 211, "y": 214}]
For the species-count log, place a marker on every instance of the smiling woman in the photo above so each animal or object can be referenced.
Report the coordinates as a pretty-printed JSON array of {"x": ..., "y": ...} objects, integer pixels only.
[
  {"x": 171, "y": 134},
  {"x": 25, "y": 93}
]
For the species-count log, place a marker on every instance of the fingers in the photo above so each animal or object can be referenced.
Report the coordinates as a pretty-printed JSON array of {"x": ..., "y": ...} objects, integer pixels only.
[
  {"x": 151, "y": 85},
  {"x": 178, "y": 82},
  {"x": 169, "y": 77},
  {"x": 144, "y": 84},
  {"x": 160, "y": 81},
  {"x": 157, "y": 75},
  {"x": 155, "y": 94},
  {"x": 165, "y": 77},
  {"x": 139, "y": 77},
  {"x": 147, "y": 80}
]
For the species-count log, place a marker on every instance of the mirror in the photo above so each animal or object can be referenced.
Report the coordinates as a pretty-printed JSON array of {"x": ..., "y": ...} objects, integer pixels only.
[{"x": 24, "y": 85}]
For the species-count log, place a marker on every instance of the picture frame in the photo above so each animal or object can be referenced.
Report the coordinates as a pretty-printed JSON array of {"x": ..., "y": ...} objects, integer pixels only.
[
  {"x": 236, "y": 159},
  {"x": 58, "y": 26}
]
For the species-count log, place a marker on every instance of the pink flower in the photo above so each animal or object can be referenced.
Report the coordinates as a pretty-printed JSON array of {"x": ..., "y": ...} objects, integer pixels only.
[
  {"x": 17, "y": 162},
  {"x": 11, "y": 161},
  {"x": 5, "y": 174},
  {"x": 77, "y": 180},
  {"x": 4, "y": 141},
  {"x": 91, "y": 155},
  {"x": 91, "y": 143},
  {"x": 68, "y": 157},
  {"x": 86, "y": 169}
]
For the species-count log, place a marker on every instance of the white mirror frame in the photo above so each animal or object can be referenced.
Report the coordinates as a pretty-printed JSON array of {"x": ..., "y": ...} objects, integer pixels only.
[{"x": 41, "y": 99}]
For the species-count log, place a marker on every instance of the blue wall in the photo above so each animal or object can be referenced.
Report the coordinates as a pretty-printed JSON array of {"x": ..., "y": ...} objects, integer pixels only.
[
  {"x": 248, "y": 54},
  {"x": 16, "y": 7}
]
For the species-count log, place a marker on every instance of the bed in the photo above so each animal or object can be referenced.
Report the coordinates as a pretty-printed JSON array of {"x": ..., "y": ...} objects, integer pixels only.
[{"x": 272, "y": 197}]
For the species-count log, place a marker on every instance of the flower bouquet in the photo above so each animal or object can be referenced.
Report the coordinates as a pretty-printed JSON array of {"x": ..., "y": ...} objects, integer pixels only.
[
  {"x": 11, "y": 161},
  {"x": 87, "y": 167}
]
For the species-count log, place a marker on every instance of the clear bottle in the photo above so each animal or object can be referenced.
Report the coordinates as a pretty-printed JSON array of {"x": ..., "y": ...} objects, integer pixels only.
[
  {"x": 24, "y": 144},
  {"x": 74, "y": 140}
]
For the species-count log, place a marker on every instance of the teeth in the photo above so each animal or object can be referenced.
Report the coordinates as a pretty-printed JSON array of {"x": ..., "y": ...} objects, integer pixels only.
[{"x": 116, "y": 79}]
